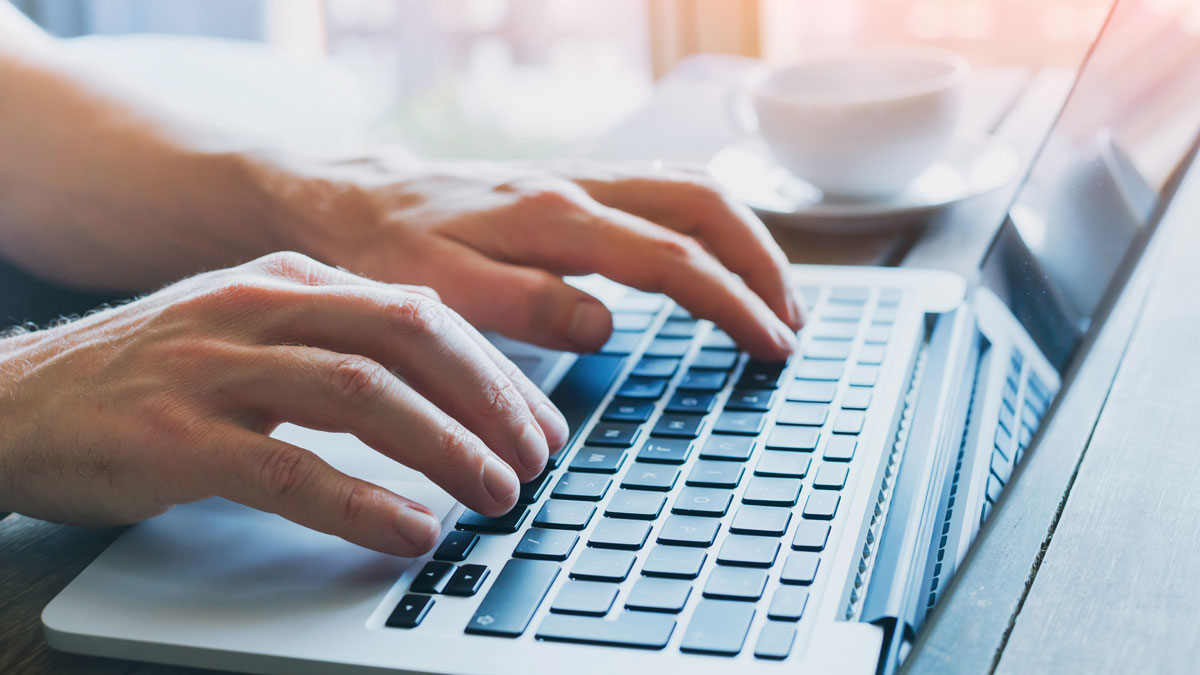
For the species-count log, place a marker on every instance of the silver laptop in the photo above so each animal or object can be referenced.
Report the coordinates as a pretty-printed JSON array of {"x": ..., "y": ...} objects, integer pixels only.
[{"x": 711, "y": 512}]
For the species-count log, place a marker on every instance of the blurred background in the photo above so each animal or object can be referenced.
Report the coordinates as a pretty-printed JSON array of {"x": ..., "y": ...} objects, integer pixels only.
[{"x": 527, "y": 78}]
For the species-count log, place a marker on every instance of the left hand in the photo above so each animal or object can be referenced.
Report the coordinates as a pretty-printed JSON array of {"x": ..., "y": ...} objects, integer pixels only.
[{"x": 495, "y": 239}]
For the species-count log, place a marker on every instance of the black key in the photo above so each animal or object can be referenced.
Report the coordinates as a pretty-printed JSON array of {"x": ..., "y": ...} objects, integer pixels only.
[
  {"x": 849, "y": 422},
  {"x": 772, "y": 491},
  {"x": 824, "y": 371},
  {"x": 628, "y": 321},
  {"x": 703, "y": 380},
  {"x": 621, "y": 344},
  {"x": 812, "y": 391},
  {"x": 582, "y": 389},
  {"x": 710, "y": 502},
  {"x": 613, "y": 434},
  {"x": 689, "y": 531},
  {"x": 822, "y": 504},
  {"x": 628, "y": 411},
  {"x": 735, "y": 583},
  {"x": 746, "y": 550},
  {"x": 718, "y": 627},
  {"x": 467, "y": 580},
  {"x": 691, "y": 403},
  {"x": 675, "y": 562},
  {"x": 803, "y": 414},
  {"x": 719, "y": 339},
  {"x": 665, "y": 450},
  {"x": 743, "y": 423},
  {"x": 760, "y": 375},
  {"x": 432, "y": 578},
  {"x": 645, "y": 630},
  {"x": 810, "y": 535},
  {"x": 761, "y": 520},
  {"x": 751, "y": 400},
  {"x": 864, "y": 376},
  {"x": 599, "y": 564},
  {"x": 564, "y": 515},
  {"x": 654, "y": 477},
  {"x": 505, "y": 524},
  {"x": 679, "y": 328},
  {"x": 514, "y": 597},
  {"x": 598, "y": 460},
  {"x": 803, "y": 439},
  {"x": 667, "y": 347},
  {"x": 732, "y": 448},
  {"x": 788, "y": 603},
  {"x": 840, "y": 448},
  {"x": 582, "y": 486},
  {"x": 783, "y": 464},
  {"x": 642, "y": 389},
  {"x": 653, "y": 366},
  {"x": 456, "y": 546},
  {"x": 857, "y": 398},
  {"x": 636, "y": 504},
  {"x": 532, "y": 491},
  {"x": 715, "y": 359},
  {"x": 800, "y": 568},
  {"x": 590, "y": 598},
  {"x": 828, "y": 350},
  {"x": 651, "y": 594},
  {"x": 678, "y": 426},
  {"x": 410, "y": 611},
  {"x": 707, "y": 473},
  {"x": 831, "y": 476},
  {"x": 628, "y": 535},
  {"x": 543, "y": 544},
  {"x": 775, "y": 641}
]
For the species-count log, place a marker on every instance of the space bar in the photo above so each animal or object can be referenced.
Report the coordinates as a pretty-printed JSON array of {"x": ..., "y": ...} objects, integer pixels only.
[{"x": 631, "y": 629}]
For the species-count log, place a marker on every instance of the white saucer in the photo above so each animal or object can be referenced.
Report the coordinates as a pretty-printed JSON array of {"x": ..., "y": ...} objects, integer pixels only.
[{"x": 970, "y": 167}]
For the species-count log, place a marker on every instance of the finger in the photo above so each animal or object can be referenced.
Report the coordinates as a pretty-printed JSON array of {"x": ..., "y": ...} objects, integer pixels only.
[{"x": 277, "y": 477}]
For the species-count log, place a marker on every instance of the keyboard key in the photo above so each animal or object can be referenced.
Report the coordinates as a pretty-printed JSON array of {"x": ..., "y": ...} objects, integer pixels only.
[
  {"x": 857, "y": 398},
  {"x": 850, "y": 295},
  {"x": 564, "y": 515},
  {"x": 828, "y": 350},
  {"x": 710, "y": 502},
  {"x": 621, "y": 344},
  {"x": 718, "y": 627},
  {"x": 822, "y": 504},
  {"x": 639, "y": 303},
  {"x": 650, "y": 477},
  {"x": 432, "y": 578},
  {"x": 803, "y": 439},
  {"x": 849, "y": 422},
  {"x": 735, "y": 583},
  {"x": 810, "y": 535},
  {"x": 871, "y": 355},
  {"x": 823, "y": 371},
  {"x": 456, "y": 546},
  {"x": 628, "y": 411},
  {"x": 666, "y": 450},
  {"x": 636, "y": 504},
  {"x": 653, "y": 366},
  {"x": 582, "y": 486},
  {"x": 543, "y": 544},
  {"x": 674, "y": 562},
  {"x": 748, "y": 551},
  {"x": 719, "y": 339},
  {"x": 707, "y": 473},
  {"x": 678, "y": 426},
  {"x": 628, "y": 535},
  {"x": 689, "y": 531},
  {"x": 788, "y": 603},
  {"x": 505, "y": 524},
  {"x": 613, "y": 434},
  {"x": 598, "y": 460},
  {"x": 803, "y": 414},
  {"x": 645, "y": 630},
  {"x": 601, "y": 564},
  {"x": 884, "y": 316},
  {"x": 410, "y": 611},
  {"x": 532, "y": 491},
  {"x": 761, "y": 520},
  {"x": 878, "y": 335},
  {"x": 772, "y": 491},
  {"x": 775, "y": 641},
  {"x": 467, "y": 580},
  {"x": 679, "y": 328},
  {"x": 783, "y": 464},
  {"x": 652, "y": 594},
  {"x": 761, "y": 375},
  {"x": 667, "y": 348},
  {"x": 812, "y": 391},
  {"x": 703, "y": 380},
  {"x": 751, "y": 400},
  {"x": 642, "y": 389},
  {"x": 715, "y": 359},
  {"x": 994, "y": 488},
  {"x": 1001, "y": 467},
  {"x": 514, "y": 597},
  {"x": 581, "y": 390},
  {"x": 800, "y": 568},
  {"x": 890, "y": 297},
  {"x": 840, "y": 448},
  {"x": 743, "y": 423},
  {"x": 628, "y": 321},
  {"x": 835, "y": 312},
  {"x": 592, "y": 598},
  {"x": 833, "y": 330},
  {"x": 831, "y": 476},
  {"x": 728, "y": 448},
  {"x": 691, "y": 403}
]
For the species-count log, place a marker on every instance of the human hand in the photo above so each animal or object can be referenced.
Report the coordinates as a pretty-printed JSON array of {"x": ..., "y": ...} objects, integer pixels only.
[
  {"x": 170, "y": 399},
  {"x": 495, "y": 239}
]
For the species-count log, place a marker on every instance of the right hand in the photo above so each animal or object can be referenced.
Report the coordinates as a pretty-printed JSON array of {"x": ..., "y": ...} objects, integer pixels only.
[{"x": 171, "y": 399}]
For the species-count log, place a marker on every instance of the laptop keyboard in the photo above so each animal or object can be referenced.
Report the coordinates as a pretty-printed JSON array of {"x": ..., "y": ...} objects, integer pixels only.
[
  {"x": 1022, "y": 407},
  {"x": 706, "y": 475}
]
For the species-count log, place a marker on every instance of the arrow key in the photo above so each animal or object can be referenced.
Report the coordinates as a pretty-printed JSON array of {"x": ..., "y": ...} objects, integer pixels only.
[
  {"x": 409, "y": 613},
  {"x": 467, "y": 580}
]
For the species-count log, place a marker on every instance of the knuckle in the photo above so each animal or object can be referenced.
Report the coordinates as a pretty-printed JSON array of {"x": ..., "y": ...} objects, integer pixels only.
[
  {"x": 680, "y": 249},
  {"x": 355, "y": 501},
  {"x": 502, "y": 399},
  {"x": 457, "y": 444},
  {"x": 416, "y": 313},
  {"x": 358, "y": 381},
  {"x": 283, "y": 471},
  {"x": 283, "y": 263}
]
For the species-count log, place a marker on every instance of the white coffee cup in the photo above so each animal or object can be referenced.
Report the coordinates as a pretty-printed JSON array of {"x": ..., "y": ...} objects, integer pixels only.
[{"x": 861, "y": 125}]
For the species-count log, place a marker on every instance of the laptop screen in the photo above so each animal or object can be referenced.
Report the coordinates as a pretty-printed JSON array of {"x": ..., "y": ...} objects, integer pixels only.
[{"x": 1108, "y": 165}]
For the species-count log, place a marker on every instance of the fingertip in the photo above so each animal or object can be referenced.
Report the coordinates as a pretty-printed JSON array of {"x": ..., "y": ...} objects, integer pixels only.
[
  {"x": 553, "y": 424},
  {"x": 591, "y": 324},
  {"x": 418, "y": 528},
  {"x": 501, "y": 484}
]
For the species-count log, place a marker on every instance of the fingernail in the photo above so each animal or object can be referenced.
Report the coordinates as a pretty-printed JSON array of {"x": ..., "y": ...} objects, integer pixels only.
[
  {"x": 554, "y": 424},
  {"x": 500, "y": 481},
  {"x": 590, "y": 325},
  {"x": 531, "y": 448},
  {"x": 417, "y": 527}
]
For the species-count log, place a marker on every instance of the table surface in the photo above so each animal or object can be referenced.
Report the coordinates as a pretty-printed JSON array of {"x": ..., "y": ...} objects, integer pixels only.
[{"x": 1089, "y": 562}]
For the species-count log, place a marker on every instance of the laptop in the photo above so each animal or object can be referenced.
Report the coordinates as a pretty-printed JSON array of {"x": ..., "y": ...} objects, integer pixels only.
[{"x": 711, "y": 512}]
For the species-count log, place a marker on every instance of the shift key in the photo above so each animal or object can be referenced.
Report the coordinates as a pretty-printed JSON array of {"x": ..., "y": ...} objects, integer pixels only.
[{"x": 513, "y": 598}]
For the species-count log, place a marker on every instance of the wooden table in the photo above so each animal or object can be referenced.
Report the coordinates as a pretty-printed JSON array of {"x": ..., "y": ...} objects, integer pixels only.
[{"x": 1092, "y": 559}]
